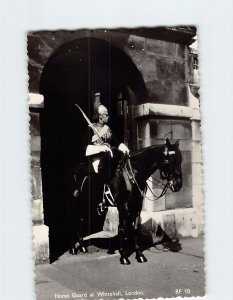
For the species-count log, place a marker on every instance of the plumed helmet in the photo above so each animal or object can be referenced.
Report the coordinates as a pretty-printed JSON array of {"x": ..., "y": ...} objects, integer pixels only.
[{"x": 102, "y": 110}]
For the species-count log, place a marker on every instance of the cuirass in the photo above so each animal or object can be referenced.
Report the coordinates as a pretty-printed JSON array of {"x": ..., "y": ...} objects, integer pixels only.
[{"x": 104, "y": 135}]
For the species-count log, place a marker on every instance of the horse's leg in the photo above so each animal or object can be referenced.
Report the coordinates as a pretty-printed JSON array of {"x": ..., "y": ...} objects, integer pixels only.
[
  {"x": 74, "y": 224},
  {"x": 77, "y": 236},
  {"x": 78, "y": 213},
  {"x": 123, "y": 233},
  {"x": 73, "y": 249},
  {"x": 123, "y": 246},
  {"x": 82, "y": 247},
  {"x": 139, "y": 256}
]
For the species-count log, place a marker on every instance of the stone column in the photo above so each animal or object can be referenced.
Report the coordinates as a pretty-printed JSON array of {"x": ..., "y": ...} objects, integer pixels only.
[
  {"x": 40, "y": 231},
  {"x": 144, "y": 133},
  {"x": 197, "y": 177},
  {"x": 145, "y": 141}
]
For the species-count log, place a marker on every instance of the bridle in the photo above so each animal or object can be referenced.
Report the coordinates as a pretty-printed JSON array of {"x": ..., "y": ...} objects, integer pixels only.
[
  {"x": 167, "y": 169},
  {"x": 166, "y": 173},
  {"x": 154, "y": 197}
]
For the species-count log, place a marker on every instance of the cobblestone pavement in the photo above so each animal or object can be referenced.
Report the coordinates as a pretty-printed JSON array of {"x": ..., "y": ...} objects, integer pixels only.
[{"x": 98, "y": 275}]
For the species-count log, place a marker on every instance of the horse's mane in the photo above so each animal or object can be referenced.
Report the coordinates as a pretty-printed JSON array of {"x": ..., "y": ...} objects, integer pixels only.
[
  {"x": 138, "y": 154},
  {"x": 145, "y": 156}
]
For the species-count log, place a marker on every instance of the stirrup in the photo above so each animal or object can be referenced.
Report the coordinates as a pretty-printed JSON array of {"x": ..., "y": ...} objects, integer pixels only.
[
  {"x": 107, "y": 200},
  {"x": 102, "y": 208},
  {"x": 108, "y": 194}
]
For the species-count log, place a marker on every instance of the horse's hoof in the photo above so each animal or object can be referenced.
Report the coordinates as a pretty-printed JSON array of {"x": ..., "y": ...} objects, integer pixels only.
[
  {"x": 141, "y": 258},
  {"x": 83, "y": 249},
  {"x": 125, "y": 261},
  {"x": 73, "y": 251}
]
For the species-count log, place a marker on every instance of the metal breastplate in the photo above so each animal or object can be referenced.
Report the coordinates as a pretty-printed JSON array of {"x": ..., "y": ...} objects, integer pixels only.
[{"x": 103, "y": 135}]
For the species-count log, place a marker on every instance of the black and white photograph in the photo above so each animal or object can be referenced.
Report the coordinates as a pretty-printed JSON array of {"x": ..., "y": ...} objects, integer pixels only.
[{"x": 116, "y": 163}]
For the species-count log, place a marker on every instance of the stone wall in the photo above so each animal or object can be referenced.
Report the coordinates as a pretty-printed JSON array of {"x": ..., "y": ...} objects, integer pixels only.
[
  {"x": 163, "y": 64},
  {"x": 163, "y": 67},
  {"x": 40, "y": 231}
]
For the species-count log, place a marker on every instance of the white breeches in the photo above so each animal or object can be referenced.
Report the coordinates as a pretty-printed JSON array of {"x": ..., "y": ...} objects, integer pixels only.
[{"x": 96, "y": 165}]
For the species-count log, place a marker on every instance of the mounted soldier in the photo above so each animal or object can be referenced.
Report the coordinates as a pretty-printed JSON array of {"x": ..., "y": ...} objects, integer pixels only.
[{"x": 100, "y": 149}]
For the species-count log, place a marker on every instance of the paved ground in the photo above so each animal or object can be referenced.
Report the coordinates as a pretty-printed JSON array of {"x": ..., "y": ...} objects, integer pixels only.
[{"x": 94, "y": 275}]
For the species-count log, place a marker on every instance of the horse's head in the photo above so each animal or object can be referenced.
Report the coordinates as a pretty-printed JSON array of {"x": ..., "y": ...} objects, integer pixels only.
[{"x": 171, "y": 165}]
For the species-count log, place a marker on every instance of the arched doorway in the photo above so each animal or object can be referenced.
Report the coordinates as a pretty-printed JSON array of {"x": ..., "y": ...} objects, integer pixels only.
[{"x": 74, "y": 74}]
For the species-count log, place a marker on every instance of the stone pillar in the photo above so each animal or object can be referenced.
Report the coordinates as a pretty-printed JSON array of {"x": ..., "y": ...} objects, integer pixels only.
[
  {"x": 40, "y": 231},
  {"x": 144, "y": 133},
  {"x": 197, "y": 178},
  {"x": 144, "y": 139}
]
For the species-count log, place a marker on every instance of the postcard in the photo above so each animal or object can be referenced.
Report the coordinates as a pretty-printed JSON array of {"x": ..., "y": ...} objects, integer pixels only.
[{"x": 116, "y": 163}]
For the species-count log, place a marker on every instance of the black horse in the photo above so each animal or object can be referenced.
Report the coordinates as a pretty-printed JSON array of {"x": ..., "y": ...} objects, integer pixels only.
[{"x": 128, "y": 186}]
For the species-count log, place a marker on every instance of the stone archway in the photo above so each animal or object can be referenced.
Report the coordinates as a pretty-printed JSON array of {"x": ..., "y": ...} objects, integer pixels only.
[{"x": 73, "y": 74}]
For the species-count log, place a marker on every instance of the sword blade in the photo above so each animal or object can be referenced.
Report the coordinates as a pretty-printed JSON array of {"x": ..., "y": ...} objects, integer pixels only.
[{"x": 88, "y": 121}]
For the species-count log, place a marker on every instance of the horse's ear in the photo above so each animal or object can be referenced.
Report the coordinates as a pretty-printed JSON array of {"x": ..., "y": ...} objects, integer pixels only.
[
  {"x": 167, "y": 142},
  {"x": 177, "y": 143}
]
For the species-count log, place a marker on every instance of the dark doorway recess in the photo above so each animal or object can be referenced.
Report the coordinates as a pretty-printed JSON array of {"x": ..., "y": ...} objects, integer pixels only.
[{"x": 73, "y": 74}]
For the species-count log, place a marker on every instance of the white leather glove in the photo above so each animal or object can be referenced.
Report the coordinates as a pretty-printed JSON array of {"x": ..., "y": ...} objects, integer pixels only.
[
  {"x": 105, "y": 148},
  {"x": 122, "y": 147}
]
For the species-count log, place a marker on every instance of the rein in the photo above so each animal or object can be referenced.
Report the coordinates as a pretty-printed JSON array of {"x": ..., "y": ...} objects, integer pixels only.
[
  {"x": 165, "y": 188},
  {"x": 132, "y": 178}
]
